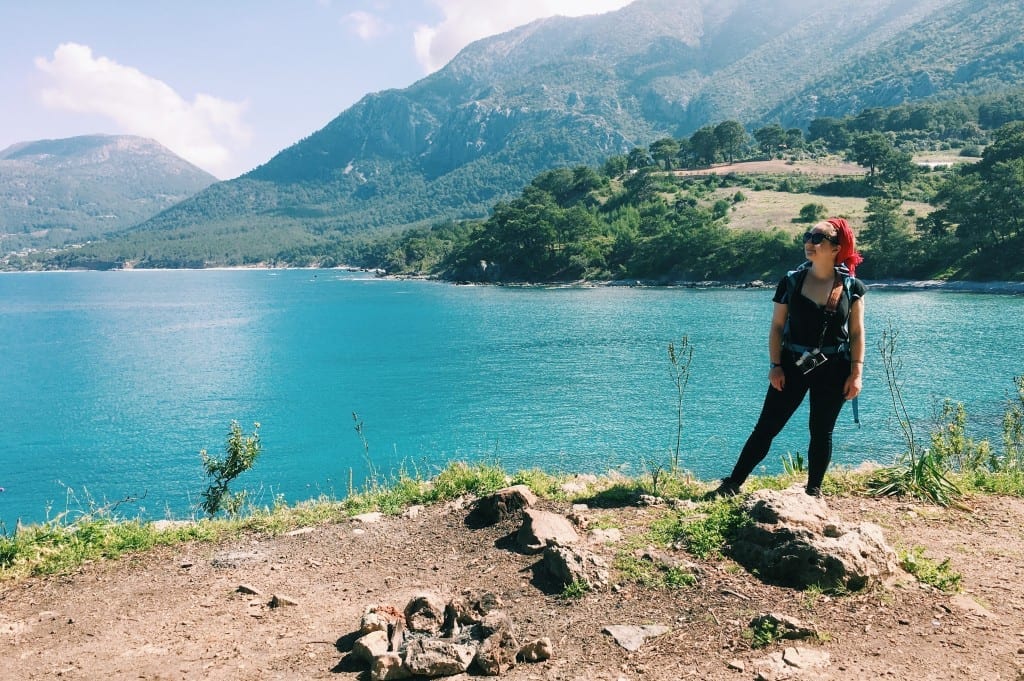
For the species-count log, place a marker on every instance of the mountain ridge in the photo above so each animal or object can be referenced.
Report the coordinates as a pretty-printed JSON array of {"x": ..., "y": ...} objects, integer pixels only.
[
  {"x": 562, "y": 91},
  {"x": 68, "y": 190}
]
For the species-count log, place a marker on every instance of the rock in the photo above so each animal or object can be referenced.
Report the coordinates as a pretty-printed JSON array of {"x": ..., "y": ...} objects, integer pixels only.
[
  {"x": 541, "y": 529},
  {"x": 496, "y": 654},
  {"x": 388, "y": 667},
  {"x": 968, "y": 604},
  {"x": 632, "y": 637},
  {"x": 469, "y": 608},
  {"x": 279, "y": 601},
  {"x": 425, "y": 613},
  {"x": 537, "y": 650},
  {"x": 570, "y": 565},
  {"x": 413, "y": 511},
  {"x": 805, "y": 658},
  {"x": 503, "y": 504},
  {"x": 380, "y": 618},
  {"x": 795, "y": 541},
  {"x": 246, "y": 589},
  {"x": 370, "y": 646},
  {"x": 368, "y": 518},
  {"x": 434, "y": 657}
]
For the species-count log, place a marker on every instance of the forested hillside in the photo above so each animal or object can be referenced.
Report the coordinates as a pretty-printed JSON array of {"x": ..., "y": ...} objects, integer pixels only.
[{"x": 562, "y": 92}]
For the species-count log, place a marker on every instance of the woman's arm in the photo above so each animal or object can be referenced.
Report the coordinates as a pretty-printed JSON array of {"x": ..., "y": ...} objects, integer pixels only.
[
  {"x": 777, "y": 377},
  {"x": 853, "y": 382}
]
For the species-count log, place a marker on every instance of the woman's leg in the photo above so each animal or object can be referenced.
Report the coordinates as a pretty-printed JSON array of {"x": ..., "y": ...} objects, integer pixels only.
[
  {"x": 825, "y": 404},
  {"x": 778, "y": 407}
]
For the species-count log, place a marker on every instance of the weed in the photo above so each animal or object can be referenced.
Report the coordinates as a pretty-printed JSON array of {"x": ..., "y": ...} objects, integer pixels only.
[
  {"x": 705, "y": 534},
  {"x": 762, "y": 632},
  {"x": 927, "y": 571},
  {"x": 919, "y": 473},
  {"x": 794, "y": 466},
  {"x": 652, "y": 575},
  {"x": 681, "y": 358},
  {"x": 576, "y": 589}
]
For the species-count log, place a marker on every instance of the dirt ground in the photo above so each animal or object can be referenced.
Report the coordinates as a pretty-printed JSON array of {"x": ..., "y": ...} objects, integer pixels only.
[{"x": 178, "y": 613}]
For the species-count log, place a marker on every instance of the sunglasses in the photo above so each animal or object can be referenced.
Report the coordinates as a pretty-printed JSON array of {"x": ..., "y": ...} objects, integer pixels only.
[{"x": 817, "y": 237}]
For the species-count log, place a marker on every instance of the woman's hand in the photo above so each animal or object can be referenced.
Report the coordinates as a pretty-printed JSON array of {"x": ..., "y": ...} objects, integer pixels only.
[
  {"x": 852, "y": 386},
  {"x": 777, "y": 377}
]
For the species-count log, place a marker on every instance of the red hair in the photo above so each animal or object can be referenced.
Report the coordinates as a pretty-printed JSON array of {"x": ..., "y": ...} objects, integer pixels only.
[{"x": 848, "y": 254}]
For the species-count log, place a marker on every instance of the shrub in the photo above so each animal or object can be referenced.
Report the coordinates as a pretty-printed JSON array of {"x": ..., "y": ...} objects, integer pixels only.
[{"x": 240, "y": 455}]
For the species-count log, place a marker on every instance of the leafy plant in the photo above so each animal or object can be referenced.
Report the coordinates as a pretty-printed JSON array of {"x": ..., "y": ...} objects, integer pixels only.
[
  {"x": 938, "y": 574},
  {"x": 576, "y": 589},
  {"x": 919, "y": 473},
  {"x": 1013, "y": 429},
  {"x": 951, "y": 445},
  {"x": 240, "y": 455},
  {"x": 794, "y": 465},
  {"x": 763, "y": 632}
]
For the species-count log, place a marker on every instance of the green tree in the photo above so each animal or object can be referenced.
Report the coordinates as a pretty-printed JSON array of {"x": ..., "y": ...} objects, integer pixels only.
[
  {"x": 770, "y": 138},
  {"x": 886, "y": 239},
  {"x": 665, "y": 151},
  {"x": 897, "y": 168},
  {"x": 871, "y": 149},
  {"x": 732, "y": 137},
  {"x": 704, "y": 145}
]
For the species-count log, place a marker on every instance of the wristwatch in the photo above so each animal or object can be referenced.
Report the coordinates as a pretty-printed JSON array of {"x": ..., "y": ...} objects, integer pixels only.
[{"x": 773, "y": 365}]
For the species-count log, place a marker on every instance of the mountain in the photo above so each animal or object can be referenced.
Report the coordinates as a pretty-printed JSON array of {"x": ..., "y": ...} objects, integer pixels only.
[
  {"x": 565, "y": 91},
  {"x": 54, "y": 192}
]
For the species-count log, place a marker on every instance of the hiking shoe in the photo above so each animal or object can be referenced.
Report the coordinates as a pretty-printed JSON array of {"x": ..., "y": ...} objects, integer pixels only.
[
  {"x": 814, "y": 492},
  {"x": 724, "y": 491}
]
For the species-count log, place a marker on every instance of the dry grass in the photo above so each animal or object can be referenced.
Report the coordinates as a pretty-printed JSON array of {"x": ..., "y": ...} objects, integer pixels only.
[{"x": 778, "y": 210}]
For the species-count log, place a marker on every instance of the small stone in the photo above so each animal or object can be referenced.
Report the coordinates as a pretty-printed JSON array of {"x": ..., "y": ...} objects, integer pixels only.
[
  {"x": 633, "y": 637},
  {"x": 736, "y": 665},
  {"x": 279, "y": 601},
  {"x": 246, "y": 589},
  {"x": 367, "y": 518},
  {"x": 537, "y": 650}
]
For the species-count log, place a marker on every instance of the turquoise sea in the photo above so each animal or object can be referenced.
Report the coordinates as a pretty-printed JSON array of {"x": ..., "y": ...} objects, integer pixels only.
[{"x": 111, "y": 383}]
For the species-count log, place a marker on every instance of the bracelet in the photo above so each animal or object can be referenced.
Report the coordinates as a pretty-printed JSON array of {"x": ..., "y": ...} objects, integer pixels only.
[{"x": 856, "y": 361}]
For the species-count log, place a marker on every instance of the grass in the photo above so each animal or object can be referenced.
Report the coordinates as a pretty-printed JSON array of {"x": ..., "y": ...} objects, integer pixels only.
[
  {"x": 62, "y": 544},
  {"x": 934, "y": 573}
]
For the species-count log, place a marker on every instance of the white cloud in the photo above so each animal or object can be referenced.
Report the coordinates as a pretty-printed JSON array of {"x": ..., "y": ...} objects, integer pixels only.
[
  {"x": 367, "y": 26},
  {"x": 468, "y": 20},
  {"x": 204, "y": 131}
]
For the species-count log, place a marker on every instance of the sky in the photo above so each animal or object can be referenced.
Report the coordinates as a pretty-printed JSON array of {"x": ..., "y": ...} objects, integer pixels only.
[{"x": 226, "y": 84}]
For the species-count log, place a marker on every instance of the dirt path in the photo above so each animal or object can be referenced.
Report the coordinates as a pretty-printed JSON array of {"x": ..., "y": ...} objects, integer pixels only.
[{"x": 177, "y": 613}]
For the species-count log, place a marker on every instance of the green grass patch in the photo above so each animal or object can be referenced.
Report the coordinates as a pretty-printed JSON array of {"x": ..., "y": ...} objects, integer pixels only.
[{"x": 938, "y": 574}]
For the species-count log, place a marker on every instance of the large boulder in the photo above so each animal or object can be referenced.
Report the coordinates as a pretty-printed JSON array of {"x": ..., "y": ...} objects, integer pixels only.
[
  {"x": 503, "y": 504},
  {"x": 541, "y": 529},
  {"x": 796, "y": 541}
]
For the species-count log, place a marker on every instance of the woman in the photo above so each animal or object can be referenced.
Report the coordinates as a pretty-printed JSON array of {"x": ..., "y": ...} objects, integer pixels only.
[{"x": 811, "y": 350}]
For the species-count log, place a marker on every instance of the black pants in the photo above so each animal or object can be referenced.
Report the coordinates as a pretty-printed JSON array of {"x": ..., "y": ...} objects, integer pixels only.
[{"x": 825, "y": 384}]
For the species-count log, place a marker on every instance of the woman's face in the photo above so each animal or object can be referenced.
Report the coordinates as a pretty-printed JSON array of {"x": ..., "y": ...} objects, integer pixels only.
[{"x": 827, "y": 247}]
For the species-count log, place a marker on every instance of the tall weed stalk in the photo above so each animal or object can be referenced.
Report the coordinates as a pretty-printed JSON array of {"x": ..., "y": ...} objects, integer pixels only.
[
  {"x": 681, "y": 358},
  {"x": 919, "y": 472}
]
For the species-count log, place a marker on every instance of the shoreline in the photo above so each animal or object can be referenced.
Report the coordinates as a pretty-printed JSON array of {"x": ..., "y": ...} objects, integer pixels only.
[{"x": 955, "y": 286}]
